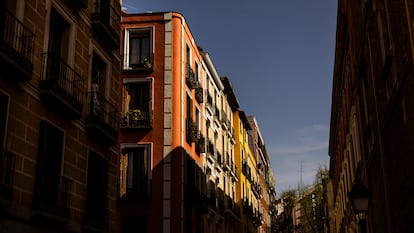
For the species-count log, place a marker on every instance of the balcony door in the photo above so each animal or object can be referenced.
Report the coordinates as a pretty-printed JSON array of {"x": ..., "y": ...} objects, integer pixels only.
[{"x": 58, "y": 46}]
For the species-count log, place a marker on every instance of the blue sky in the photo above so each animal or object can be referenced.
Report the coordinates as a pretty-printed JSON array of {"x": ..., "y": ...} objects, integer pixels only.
[{"x": 278, "y": 55}]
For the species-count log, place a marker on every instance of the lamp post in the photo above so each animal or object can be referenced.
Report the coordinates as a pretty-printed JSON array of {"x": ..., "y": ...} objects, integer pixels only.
[{"x": 359, "y": 196}]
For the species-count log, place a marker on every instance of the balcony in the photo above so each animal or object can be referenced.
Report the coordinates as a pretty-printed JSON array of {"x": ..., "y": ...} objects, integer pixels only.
[
  {"x": 102, "y": 120},
  {"x": 201, "y": 144},
  {"x": 16, "y": 48},
  {"x": 7, "y": 160},
  {"x": 225, "y": 122},
  {"x": 192, "y": 131},
  {"x": 257, "y": 189},
  {"x": 199, "y": 93},
  {"x": 136, "y": 119},
  {"x": 106, "y": 22},
  {"x": 190, "y": 78},
  {"x": 51, "y": 201},
  {"x": 61, "y": 88},
  {"x": 247, "y": 171}
]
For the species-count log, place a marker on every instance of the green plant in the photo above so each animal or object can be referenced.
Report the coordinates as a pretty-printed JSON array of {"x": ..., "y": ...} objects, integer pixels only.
[{"x": 147, "y": 63}]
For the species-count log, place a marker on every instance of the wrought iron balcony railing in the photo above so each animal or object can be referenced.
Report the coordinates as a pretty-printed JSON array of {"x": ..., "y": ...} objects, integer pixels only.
[
  {"x": 102, "y": 121},
  {"x": 199, "y": 93},
  {"x": 136, "y": 119},
  {"x": 7, "y": 160},
  {"x": 190, "y": 77},
  {"x": 61, "y": 86},
  {"x": 201, "y": 144},
  {"x": 16, "y": 46},
  {"x": 192, "y": 131}
]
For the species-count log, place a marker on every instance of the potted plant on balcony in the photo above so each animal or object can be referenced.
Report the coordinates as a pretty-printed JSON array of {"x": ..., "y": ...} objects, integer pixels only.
[
  {"x": 132, "y": 117},
  {"x": 147, "y": 64}
]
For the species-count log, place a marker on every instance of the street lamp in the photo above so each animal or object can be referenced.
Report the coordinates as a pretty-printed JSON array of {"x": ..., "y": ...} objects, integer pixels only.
[{"x": 359, "y": 196}]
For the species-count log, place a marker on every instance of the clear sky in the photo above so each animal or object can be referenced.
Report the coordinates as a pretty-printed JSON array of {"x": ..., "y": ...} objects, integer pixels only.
[{"x": 278, "y": 55}]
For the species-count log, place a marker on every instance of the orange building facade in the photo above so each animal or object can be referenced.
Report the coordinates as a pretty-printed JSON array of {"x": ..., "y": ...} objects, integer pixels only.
[{"x": 162, "y": 135}]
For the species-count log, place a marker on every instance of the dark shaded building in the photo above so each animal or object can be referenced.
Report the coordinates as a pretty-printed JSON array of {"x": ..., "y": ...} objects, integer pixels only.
[
  {"x": 58, "y": 115},
  {"x": 372, "y": 110}
]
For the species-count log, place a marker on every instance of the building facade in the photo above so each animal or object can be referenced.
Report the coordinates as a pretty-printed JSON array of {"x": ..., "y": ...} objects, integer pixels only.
[
  {"x": 59, "y": 73},
  {"x": 183, "y": 140},
  {"x": 372, "y": 97},
  {"x": 263, "y": 188},
  {"x": 163, "y": 127}
]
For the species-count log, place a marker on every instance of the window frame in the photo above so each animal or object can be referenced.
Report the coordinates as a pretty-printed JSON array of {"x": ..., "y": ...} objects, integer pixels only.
[
  {"x": 72, "y": 29},
  {"x": 123, "y": 177},
  {"x": 126, "y": 50}
]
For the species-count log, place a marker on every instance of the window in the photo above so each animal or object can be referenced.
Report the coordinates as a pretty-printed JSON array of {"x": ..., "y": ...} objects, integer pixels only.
[
  {"x": 59, "y": 31},
  {"x": 96, "y": 196},
  {"x": 3, "y": 117},
  {"x": 7, "y": 159},
  {"x": 189, "y": 122},
  {"x": 197, "y": 118},
  {"x": 138, "y": 49},
  {"x": 135, "y": 174},
  {"x": 187, "y": 56},
  {"x": 51, "y": 189},
  {"x": 137, "y": 104}
]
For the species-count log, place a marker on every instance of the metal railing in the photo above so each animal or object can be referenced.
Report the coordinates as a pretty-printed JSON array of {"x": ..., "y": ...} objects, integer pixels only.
[
  {"x": 101, "y": 109},
  {"x": 17, "y": 40},
  {"x": 63, "y": 79},
  {"x": 7, "y": 160},
  {"x": 134, "y": 119}
]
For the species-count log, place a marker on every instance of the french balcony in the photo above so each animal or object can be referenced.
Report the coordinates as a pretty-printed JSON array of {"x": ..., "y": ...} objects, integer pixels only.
[
  {"x": 201, "y": 144},
  {"x": 199, "y": 93},
  {"x": 190, "y": 78},
  {"x": 102, "y": 119},
  {"x": 16, "y": 48},
  {"x": 106, "y": 22},
  {"x": 7, "y": 161},
  {"x": 144, "y": 66},
  {"x": 192, "y": 131},
  {"x": 61, "y": 88},
  {"x": 136, "y": 119},
  {"x": 51, "y": 201}
]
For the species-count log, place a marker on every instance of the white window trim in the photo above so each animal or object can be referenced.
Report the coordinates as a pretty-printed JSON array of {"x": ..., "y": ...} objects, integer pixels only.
[{"x": 128, "y": 31}]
